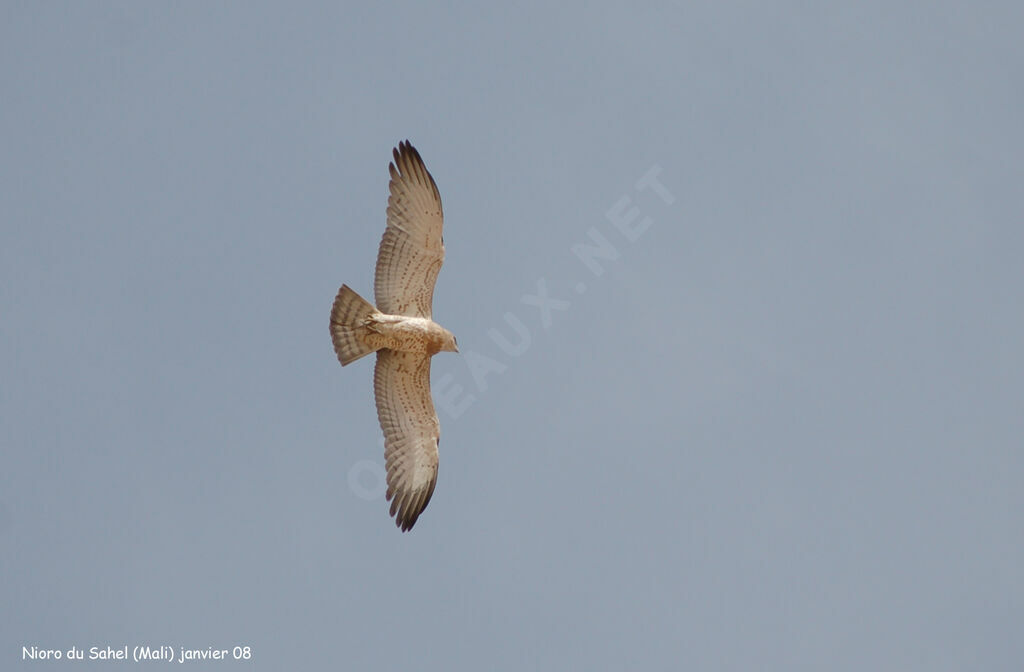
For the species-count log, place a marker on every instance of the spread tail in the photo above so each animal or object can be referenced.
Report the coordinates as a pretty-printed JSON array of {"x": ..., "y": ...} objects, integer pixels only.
[{"x": 347, "y": 316}]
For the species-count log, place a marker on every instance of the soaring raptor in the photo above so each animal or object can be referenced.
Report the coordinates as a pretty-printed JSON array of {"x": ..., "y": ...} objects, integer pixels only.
[{"x": 401, "y": 330}]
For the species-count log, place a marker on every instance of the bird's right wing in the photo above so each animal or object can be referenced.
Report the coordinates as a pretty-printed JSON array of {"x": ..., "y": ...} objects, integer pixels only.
[
  {"x": 401, "y": 384},
  {"x": 412, "y": 250}
]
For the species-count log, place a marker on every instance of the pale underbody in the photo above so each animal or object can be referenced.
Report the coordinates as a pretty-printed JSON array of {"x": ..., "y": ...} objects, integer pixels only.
[{"x": 403, "y": 333}]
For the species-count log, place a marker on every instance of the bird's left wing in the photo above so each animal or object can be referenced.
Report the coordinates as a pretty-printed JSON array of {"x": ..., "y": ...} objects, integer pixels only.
[{"x": 401, "y": 383}]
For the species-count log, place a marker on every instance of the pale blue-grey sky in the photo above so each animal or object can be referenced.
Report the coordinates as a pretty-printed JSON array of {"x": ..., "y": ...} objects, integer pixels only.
[{"x": 780, "y": 430}]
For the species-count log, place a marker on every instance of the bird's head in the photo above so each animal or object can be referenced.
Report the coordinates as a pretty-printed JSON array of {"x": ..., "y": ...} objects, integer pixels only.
[{"x": 450, "y": 344}]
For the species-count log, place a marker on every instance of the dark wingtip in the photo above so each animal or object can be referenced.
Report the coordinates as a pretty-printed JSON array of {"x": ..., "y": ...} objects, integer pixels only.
[
  {"x": 408, "y": 163},
  {"x": 405, "y": 148},
  {"x": 405, "y": 520},
  {"x": 407, "y": 507}
]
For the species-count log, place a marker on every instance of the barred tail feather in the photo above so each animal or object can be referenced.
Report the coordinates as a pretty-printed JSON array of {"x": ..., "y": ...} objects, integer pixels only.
[{"x": 347, "y": 316}]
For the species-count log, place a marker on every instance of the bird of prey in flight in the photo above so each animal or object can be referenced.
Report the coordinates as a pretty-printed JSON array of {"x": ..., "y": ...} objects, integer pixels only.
[{"x": 401, "y": 330}]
